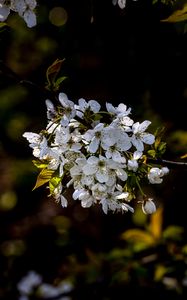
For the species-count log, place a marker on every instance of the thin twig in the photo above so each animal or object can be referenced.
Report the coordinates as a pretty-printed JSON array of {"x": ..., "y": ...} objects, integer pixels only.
[{"x": 167, "y": 162}]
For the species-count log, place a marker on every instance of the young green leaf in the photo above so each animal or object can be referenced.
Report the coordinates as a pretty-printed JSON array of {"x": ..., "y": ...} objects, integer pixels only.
[{"x": 43, "y": 177}]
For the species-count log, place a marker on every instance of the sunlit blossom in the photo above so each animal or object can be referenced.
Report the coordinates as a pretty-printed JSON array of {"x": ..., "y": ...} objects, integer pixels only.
[{"x": 100, "y": 154}]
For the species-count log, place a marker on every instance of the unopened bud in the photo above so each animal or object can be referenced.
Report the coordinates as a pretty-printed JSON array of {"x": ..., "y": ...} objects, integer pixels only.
[{"x": 148, "y": 206}]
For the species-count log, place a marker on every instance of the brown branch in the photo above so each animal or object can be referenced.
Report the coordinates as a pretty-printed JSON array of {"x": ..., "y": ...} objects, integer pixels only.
[{"x": 169, "y": 163}]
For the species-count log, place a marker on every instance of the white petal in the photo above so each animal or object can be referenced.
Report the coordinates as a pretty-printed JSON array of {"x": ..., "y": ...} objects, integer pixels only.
[
  {"x": 75, "y": 170},
  {"x": 102, "y": 175},
  {"x": 63, "y": 201},
  {"x": 143, "y": 126},
  {"x": 110, "y": 108},
  {"x": 165, "y": 170},
  {"x": 148, "y": 138},
  {"x": 93, "y": 160},
  {"x": 114, "y": 2},
  {"x": 30, "y": 18},
  {"x": 94, "y": 145},
  {"x": 135, "y": 127},
  {"x": 122, "y": 196},
  {"x": 89, "y": 134},
  {"x": 82, "y": 104},
  {"x": 128, "y": 207},
  {"x": 63, "y": 98},
  {"x": 87, "y": 180},
  {"x": 94, "y": 105},
  {"x": 121, "y": 174},
  {"x": 137, "y": 143},
  {"x": 137, "y": 155},
  {"x": 87, "y": 202},
  {"x": 124, "y": 143},
  {"x": 31, "y": 3},
  {"x": 89, "y": 169},
  {"x": 18, "y": 6},
  {"x": 122, "y": 3},
  {"x": 76, "y": 194},
  {"x": 116, "y": 156},
  {"x": 32, "y": 137},
  {"x": 104, "y": 205},
  {"x": 111, "y": 180},
  {"x": 4, "y": 12}
]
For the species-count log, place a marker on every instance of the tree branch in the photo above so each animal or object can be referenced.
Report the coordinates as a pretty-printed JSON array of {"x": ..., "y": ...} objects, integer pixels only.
[{"x": 169, "y": 163}]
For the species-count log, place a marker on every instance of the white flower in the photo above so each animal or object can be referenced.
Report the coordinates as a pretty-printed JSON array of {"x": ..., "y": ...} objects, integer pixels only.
[
  {"x": 155, "y": 175},
  {"x": 51, "y": 111},
  {"x": 84, "y": 196},
  {"x": 111, "y": 202},
  {"x": 84, "y": 106},
  {"x": 29, "y": 282},
  {"x": 25, "y": 10},
  {"x": 48, "y": 290},
  {"x": 97, "y": 167},
  {"x": 148, "y": 206},
  {"x": 4, "y": 11},
  {"x": 30, "y": 18},
  {"x": 69, "y": 109},
  {"x": 117, "y": 142},
  {"x": 140, "y": 136},
  {"x": 118, "y": 169},
  {"x": 121, "y": 110},
  {"x": 97, "y": 136},
  {"x": 122, "y": 3},
  {"x": 99, "y": 191},
  {"x": 132, "y": 163},
  {"x": 38, "y": 143}
]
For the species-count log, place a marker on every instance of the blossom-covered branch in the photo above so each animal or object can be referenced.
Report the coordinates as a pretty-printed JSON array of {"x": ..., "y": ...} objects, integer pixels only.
[{"x": 102, "y": 154}]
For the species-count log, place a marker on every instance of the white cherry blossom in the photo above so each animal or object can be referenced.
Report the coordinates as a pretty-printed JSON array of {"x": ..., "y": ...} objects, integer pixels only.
[
  {"x": 4, "y": 10},
  {"x": 97, "y": 136},
  {"x": 94, "y": 154},
  {"x": 140, "y": 137},
  {"x": 120, "y": 111},
  {"x": 84, "y": 106},
  {"x": 69, "y": 109},
  {"x": 133, "y": 163},
  {"x": 155, "y": 175},
  {"x": 29, "y": 282}
]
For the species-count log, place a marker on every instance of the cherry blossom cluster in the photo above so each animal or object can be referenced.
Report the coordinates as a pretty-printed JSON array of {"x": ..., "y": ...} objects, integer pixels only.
[
  {"x": 98, "y": 154},
  {"x": 24, "y": 8},
  {"x": 32, "y": 284}
]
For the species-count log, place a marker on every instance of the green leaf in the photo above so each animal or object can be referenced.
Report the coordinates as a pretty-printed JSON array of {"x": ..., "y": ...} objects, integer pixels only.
[
  {"x": 43, "y": 177},
  {"x": 58, "y": 83},
  {"x": 152, "y": 153},
  {"x": 162, "y": 147},
  {"x": 53, "y": 183},
  {"x": 3, "y": 24},
  {"x": 173, "y": 233},
  {"x": 60, "y": 79},
  {"x": 177, "y": 16},
  {"x": 52, "y": 72},
  {"x": 39, "y": 164},
  {"x": 140, "y": 239}
]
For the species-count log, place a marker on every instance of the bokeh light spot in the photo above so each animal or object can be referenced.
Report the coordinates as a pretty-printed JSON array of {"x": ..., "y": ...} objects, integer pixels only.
[
  {"x": 8, "y": 200},
  {"x": 58, "y": 16}
]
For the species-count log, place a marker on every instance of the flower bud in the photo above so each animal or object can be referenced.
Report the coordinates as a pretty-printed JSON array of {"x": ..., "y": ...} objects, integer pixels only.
[{"x": 148, "y": 206}]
